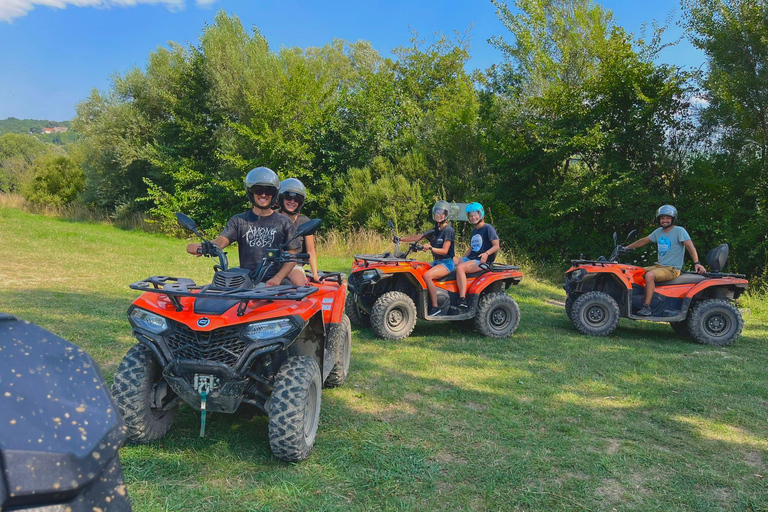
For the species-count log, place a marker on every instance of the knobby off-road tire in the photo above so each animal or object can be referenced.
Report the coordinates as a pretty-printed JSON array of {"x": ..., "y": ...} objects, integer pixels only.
[
  {"x": 681, "y": 328},
  {"x": 596, "y": 314},
  {"x": 294, "y": 409},
  {"x": 133, "y": 388},
  {"x": 498, "y": 315},
  {"x": 357, "y": 317},
  {"x": 715, "y": 322},
  {"x": 393, "y": 316},
  {"x": 340, "y": 341},
  {"x": 568, "y": 307}
]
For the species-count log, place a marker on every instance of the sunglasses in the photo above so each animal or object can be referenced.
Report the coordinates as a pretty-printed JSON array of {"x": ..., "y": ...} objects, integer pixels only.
[
  {"x": 292, "y": 196},
  {"x": 263, "y": 191}
]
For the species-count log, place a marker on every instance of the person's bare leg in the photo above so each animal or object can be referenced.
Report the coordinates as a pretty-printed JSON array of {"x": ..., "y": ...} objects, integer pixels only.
[
  {"x": 650, "y": 286},
  {"x": 429, "y": 276},
  {"x": 297, "y": 276}
]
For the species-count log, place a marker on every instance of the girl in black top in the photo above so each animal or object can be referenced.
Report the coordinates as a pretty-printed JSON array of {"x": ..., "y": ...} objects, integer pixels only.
[
  {"x": 290, "y": 200},
  {"x": 483, "y": 246},
  {"x": 441, "y": 242}
]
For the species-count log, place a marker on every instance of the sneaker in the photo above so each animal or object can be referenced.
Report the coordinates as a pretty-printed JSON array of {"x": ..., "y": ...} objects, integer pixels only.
[
  {"x": 645, "y": 310},
  {"x": 463, "y": 306},
  {"x": 434, "y": 311}
]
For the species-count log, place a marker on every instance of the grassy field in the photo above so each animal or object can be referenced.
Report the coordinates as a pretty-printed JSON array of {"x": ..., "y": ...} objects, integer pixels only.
[{"x": 445, "y": 420}]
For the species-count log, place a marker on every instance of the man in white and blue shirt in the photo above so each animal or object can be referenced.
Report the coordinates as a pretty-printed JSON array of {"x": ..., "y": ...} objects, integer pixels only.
[{"x": 671, "y": 242}]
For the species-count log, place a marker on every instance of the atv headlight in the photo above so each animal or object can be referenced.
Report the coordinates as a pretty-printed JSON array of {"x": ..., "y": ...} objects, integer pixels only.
[
  {"x": 578, "y": 274},
  {"x": 369, "y": 274},
  {"x": 268, "y": 330},
  {"x": 149, "y": 321}
]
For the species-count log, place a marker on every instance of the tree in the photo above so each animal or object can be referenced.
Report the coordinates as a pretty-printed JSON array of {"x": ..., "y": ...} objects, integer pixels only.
[
  {"x": 56, "y": 181},
  {"x": 577, "y": 122},
  {"x": 733, "y": 129},
  {"x": 17, "y": 152}
]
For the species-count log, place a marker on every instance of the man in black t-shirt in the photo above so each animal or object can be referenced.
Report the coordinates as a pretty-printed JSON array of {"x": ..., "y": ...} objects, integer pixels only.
[
  {"x": 483, "y": 246},
  {"x": 441, "y": 243},
  {"x": 260, "y": 228}
]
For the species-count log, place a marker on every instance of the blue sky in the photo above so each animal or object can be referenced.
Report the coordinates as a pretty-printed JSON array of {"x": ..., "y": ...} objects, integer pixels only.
[{"x": 51, "y": 58}]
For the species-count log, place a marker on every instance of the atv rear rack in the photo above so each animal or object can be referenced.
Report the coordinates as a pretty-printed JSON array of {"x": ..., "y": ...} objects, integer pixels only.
[
  {"x": 175, "y": 287},
  {"x": 381, "y": 258},
  {"x": 594, "y": 262}
]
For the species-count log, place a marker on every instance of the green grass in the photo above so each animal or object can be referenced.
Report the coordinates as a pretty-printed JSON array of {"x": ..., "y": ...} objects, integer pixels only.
[{"x": 445, "y": 420}]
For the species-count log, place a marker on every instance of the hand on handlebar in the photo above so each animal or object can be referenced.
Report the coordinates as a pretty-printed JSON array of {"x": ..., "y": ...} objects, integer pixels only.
[
  {"x": 625, "y": 250},
  {"x": 194, "y": 249}
]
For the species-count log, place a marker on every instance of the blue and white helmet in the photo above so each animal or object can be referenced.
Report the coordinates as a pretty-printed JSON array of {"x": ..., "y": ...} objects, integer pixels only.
[
  {"x": 668, "y": 210},
  {"x": 475, "y": 207}
]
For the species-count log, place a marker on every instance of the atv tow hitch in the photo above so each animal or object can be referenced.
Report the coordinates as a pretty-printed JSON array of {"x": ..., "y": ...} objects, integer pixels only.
[{"x": 204, "y": 384}]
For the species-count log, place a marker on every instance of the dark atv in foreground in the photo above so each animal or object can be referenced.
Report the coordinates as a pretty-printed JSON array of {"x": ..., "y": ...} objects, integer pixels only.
[
  {"x": 59, "y": 427},
  {"x": 601, "y": 291},
  {"x": 235, "y": 342}
]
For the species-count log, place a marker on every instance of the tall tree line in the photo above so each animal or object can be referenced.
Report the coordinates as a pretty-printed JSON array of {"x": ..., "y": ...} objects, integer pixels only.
[{"x": 580, "y": 131}]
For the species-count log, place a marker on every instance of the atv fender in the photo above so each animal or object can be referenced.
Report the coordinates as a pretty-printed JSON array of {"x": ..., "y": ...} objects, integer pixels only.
[
  {"x": 727, "y": 289},
  {"x": 493, "y": 281},
  {"x": 333, "y": 306}
]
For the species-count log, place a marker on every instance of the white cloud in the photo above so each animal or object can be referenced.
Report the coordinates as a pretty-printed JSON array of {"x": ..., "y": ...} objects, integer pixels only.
[{"x": 11, "y": 9}]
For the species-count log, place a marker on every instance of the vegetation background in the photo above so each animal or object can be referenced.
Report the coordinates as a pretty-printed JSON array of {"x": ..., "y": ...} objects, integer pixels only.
[{"x": 578, "y": 132}]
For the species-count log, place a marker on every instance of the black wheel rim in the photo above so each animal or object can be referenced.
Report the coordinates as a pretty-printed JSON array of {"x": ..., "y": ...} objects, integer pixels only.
[
  {"x": 596, "y": 315},
  {"x": 717, "y": 324},
  {"x": 397, "y": 317},
  {"x": 311, "y": 414},
  {"x": 156, "y": 377},
  {"x": 499, "y": 318}
]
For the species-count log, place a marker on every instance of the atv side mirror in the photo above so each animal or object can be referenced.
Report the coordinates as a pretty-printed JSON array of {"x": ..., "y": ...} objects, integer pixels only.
[
  {"x": 391, "y": 226},
  {"x": 615, "y": 237},
  {"x": 308, "y": 228},
  {"x": 631, "y": 234},
  {"x": 186, "y": 222}
]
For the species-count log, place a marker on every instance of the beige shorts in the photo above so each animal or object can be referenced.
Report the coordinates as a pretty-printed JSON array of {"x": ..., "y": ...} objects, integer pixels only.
[{"x": 663, "y": 273}]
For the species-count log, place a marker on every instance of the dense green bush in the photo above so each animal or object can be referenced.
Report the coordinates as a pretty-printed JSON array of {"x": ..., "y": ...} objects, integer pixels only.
[{"x": 56, "y": 181}]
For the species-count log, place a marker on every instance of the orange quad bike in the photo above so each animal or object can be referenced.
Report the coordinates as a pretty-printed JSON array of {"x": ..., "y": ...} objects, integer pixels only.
[
  {"x": 601, "y": 291},
  {"x": 232, "y": 344},
  {"x": 388, "y": 292}
]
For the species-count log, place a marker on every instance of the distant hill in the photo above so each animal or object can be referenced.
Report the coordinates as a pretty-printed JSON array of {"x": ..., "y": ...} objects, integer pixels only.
[
  {"x": 37, "y": 127},
  {"x": 14, "y": 125}
]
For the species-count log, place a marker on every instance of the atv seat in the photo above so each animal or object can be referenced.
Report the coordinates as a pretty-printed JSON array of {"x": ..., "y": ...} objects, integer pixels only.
[
  {"x": 452, "y": 276},
  {"x": 684, "y": 278}
]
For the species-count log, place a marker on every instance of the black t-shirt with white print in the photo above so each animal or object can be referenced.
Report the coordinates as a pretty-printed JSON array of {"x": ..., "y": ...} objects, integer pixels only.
[
  {"x": 481, "y": 241},
  {"x": 255, "y": 234},
  {"x": 437, "y": 239}
]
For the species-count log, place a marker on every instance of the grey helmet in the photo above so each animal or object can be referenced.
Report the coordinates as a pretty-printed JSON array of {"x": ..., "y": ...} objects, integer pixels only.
[
  {"x": 668, "y": 210},
  {"x": 261, "y": 177},
  {"x": 441, "y": 206},
  {"x": 292, "y": 185}
]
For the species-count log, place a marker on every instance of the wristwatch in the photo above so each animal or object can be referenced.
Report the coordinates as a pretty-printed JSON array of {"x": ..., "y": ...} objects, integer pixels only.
[{"x": 697, "y": 263}]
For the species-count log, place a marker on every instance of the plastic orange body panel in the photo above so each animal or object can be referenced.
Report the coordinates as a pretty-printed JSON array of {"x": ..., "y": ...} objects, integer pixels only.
[
  {"x": 633, "y": 275},
  {"x": 417, "y": 269},
  {"x": 329, "y": 299}
]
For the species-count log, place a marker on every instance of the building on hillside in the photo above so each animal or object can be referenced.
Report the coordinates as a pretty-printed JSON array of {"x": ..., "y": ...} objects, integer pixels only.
[{"x": 55, "y": 129}]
